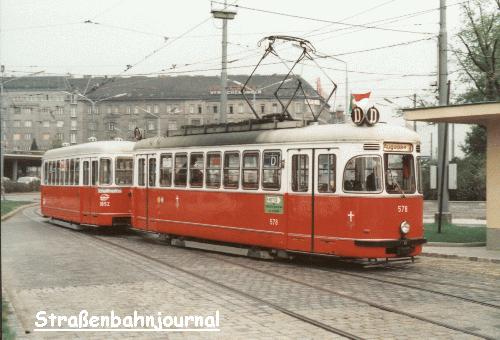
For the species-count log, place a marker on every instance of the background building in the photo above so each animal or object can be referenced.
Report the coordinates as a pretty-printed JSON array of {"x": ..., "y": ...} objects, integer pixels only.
[{"x": 46, "y": 112}]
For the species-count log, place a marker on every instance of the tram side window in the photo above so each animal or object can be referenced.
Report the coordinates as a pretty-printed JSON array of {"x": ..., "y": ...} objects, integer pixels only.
[
  {"x": 77, "y": 172},
  {"x": 300, "y": 173},
  {"x": 180, "y": 178},
  {"x": 85, "y": 172},
  {"x": 250, "y": 170},
  {"x": 105, "y": 171},
  {"x": 152, "y": 172},
  {"x": 58, "y": 172},
  {"x": 363, "y": 173},
  {"x": 326, "y": 173},
  {"x": 71, "y": 172},
  {"x": 420, "y": 166},
  {"x": 196, "y": 170},
  {"x": 166, "y": 170},
  {"x": 67, "y": 171},
  {"x": 93, "y": 180},
  {"x": 399, "y": 173},
  {"x": 271, "y": 170},
  {"x": 123, "y": 171},
  {"x": 213, "y": 169},
  {"x": 141, "y": 172},
  {"x": 231, "y": 170},
  {"x": 45, "y": 172}
]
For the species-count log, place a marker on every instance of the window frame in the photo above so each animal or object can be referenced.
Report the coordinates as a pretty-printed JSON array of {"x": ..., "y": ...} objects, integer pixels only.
[
  {"x": 208, "y": 168},
  {"x": 295, "y": 179},
  {"x": 256, "y": 169},
  {"x": 171, "y": 180},
  {"x": 224, "y": 168},
  {"x": 110, "y": 171},
  {"x": 334, "y": 189},
  {"x": 186, "y": 168},
  {"x": 202, "y": 169},
  {"x": 152, "y": 162},
  {"x": 413, "y": 171},
  {"x": 380, "y": 174},
  {"x": 131, "y": 170},
  {"x": 278, "y": 167}
]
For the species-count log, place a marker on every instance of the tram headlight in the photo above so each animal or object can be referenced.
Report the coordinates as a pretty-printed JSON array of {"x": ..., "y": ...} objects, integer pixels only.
[{"x": 404, "y": 227}]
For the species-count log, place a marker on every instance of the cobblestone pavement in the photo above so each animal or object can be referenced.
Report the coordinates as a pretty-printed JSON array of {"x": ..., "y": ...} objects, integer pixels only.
[{"x": 62, "y": 271}]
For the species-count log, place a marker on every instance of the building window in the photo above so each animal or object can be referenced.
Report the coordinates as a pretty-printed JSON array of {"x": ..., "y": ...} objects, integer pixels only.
[
  {"x": 231, "y": 108},
  {"x": 111, "y": 126},
  {"x": 16, "y": 123},
  {"x": 116, "y": 110},
  {"x": 73, "y": 124},
  {"x": 46, "y": 123},
  {"x": 191, "y": 108},
  {"x": 108, "y": 109},
  {"x": 262, "y": 108},
  {"x": 46, "y": 136},
  {"x": 214, "y": 108},
  {"x": 151, "y": 125},
  {"x": 27, "y": 136},
  {"x": 72, "y": 138},
  {"x": 59, "y": 136},
  {"x": 136, "y": 110},
  {"x": 129, "y": 110},
  {"x": 169, "y": 108},
  {"x": 240, "y": 108},
  {"x": 172, "y": 126},
  {"x": 17, "y": 110},
  {"x": 156, "y": 109},
  {"x": 27, "y": 123},
  {"x": 91, "y": 126},
  {"x": 148, "y": 108},
  {"x": 298, "y": 107},
  {"x": 27, "y": 110},
  {"x": 59, "y": 110},
  {"x": 195, "y": 121},
  {"x": 73, "y": 112},
  {"x": 200, "y": 109},
  {"x": 60, "y": 123},
  {"x": 275, "y": 108}
]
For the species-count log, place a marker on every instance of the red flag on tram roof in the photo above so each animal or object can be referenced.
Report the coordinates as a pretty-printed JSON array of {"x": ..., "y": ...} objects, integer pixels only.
[{"x": 360, "y": 96}]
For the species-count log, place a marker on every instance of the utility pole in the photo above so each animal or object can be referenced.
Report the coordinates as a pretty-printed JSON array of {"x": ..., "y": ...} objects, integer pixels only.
[
  {"x": 225, "y": 15},
  {"x": 443, "y": 196},
  {"x": 415, "y": 106}
]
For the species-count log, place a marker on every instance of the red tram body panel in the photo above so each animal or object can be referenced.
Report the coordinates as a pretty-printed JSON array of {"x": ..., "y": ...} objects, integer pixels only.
[
  {"x": 326, "y": 189},
  {"x": 88, "y": 184}
]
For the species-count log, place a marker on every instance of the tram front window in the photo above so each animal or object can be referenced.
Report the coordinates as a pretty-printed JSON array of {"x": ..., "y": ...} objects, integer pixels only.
[
  {"x": 399, "y": 173},
  {"x": 363, "y": 174}
]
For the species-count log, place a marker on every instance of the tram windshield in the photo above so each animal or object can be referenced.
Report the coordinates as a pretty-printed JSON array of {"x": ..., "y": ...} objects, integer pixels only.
[
  {"x": 399, "y": 173},
  {"x": 363, "y": 174}
]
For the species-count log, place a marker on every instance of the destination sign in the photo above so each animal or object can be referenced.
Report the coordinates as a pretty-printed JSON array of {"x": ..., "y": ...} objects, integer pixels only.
[{"x": 401, "y": 147}]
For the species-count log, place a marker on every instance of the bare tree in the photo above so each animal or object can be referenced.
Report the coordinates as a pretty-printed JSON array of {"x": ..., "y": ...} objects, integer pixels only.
[{"x": 479, "y": 58}]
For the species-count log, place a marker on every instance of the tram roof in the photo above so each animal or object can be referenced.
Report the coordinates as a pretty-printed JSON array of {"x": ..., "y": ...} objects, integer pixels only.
[
  {"x": 309, "y": 134},
  {"x": 100, "y": 147}
]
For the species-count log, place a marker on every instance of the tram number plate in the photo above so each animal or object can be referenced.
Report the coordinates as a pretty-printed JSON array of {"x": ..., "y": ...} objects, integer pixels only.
[{"x": 402, "y": 208}]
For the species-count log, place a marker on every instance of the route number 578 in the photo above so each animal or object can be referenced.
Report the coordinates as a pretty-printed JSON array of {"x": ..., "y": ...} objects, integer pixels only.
[{"x": 402, "y": 208}]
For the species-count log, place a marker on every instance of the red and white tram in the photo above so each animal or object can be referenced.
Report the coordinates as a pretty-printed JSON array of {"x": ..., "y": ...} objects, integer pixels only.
[
  {"x": 88, "y": 184},
  {"x": 322, "y": 189}
]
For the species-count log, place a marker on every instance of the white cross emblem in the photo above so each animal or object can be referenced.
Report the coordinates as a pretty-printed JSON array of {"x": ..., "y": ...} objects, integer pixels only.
[{"x": 351, "y": 215}]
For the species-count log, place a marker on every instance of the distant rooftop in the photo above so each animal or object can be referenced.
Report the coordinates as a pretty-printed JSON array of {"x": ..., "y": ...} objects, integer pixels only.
[{"x": 162, "y": 87}]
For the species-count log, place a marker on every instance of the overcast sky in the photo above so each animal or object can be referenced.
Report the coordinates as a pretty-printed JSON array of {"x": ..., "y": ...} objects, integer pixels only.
[{"x": 51, "y": 35}]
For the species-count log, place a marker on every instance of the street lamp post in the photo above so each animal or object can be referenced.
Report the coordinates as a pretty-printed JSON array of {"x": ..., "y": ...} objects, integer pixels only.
[{"x": 156, "y": 116}]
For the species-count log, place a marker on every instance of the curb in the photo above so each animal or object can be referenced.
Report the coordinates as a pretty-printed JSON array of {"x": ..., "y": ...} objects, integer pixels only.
[
  {"x": 452, "y": 244},
  {"x": 461, "y": 257},
  {"x": 15, "y": 211}
]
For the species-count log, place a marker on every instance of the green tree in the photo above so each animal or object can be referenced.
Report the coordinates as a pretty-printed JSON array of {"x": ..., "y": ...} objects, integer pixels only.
[
  {"x": 34, "y": 145},
  {"x": 480, "y": 51}
]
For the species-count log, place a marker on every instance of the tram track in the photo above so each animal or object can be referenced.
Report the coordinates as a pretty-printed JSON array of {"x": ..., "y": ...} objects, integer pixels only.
[{"x": 281, "y": 309}]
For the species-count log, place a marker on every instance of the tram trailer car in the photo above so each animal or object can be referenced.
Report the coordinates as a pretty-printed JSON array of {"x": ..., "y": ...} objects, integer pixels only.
[
  {"x": 88, "y": 184},
  {"x": 343, "y": 190}
]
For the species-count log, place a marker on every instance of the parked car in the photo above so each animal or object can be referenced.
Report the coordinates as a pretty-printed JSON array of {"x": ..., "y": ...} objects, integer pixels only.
[{"x": 28, "y": 179}]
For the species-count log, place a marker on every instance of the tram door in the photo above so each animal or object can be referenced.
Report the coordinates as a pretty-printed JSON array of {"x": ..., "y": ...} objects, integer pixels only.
[
  {"x": 312, "y": 182},
  {"x": 88, "y": 190},
  {"x": 300, "y": 200},
  {"x": 146, "y": 180}
]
